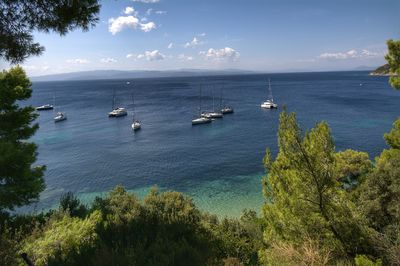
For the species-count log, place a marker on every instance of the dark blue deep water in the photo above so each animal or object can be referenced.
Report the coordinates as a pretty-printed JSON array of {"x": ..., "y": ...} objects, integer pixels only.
[{"x": 219, "y": 164}]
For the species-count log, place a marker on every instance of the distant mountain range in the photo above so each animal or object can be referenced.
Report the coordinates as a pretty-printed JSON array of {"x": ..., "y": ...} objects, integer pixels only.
[{"x": 121, "y": 74}]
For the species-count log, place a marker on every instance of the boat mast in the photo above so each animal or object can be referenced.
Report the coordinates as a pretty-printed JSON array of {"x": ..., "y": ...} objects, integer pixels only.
[
  {"x": 200, "y": 102},
  {"x": 113, "y": 101},
  {"x": 270, "y": 90},
  {"x": 212, "y": 91},
  {"x": 133, "y": 108},
  {"x": 54, "y": 102},
  {"x": 220, "y": 100}
]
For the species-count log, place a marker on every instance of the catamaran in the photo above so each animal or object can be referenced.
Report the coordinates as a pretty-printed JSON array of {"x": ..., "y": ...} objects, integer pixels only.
[
  {"x": 117, "y": 111},
  {"x": 269, "y": 103},
  {"x": 200, "y": 118}
]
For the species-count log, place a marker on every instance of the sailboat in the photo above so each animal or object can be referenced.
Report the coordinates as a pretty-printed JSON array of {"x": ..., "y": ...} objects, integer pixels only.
[
  {"x": 117, "y": 111},
  {"x": 269, "y": 103},
  {"x": 226, "y": 109},
  {"x": 135, "y": 123},
  {"x": 201, "y": 119},
  {"x": 213, "y": 113},
  {"x": 59, "y": 116}
]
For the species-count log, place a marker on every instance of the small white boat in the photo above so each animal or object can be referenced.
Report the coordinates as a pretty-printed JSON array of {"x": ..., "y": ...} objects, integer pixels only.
[
  {"x": 201, "y": 120},
  {"x": 117, "y": 112},
  {"x": 227, "y": 110},
  {"x": 212, "y": 115},
  {"x": 44, "y": 107},
  {"x": 136, "y": 125},
  {"x": 269, "y": 103},
  {"x": 60, "y": 116}
]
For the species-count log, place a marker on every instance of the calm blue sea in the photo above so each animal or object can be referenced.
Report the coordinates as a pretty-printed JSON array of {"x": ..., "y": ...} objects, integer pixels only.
[{"x": 218, "y": 164}]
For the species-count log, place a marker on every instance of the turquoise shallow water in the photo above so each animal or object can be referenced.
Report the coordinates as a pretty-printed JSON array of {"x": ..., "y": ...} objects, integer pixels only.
[{"x": 219, "y": 164}]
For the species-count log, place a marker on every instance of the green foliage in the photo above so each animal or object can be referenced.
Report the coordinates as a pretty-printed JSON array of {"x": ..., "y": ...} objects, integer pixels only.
[
  {"x": 380, "y": 193},
  {"x": 393, "y": 137},
  {"x": 308, "y": 252},
  {"x": 71, "y": 204},
  {"x": 362, "y": 260},
  {"x": 238, "y": 240},
  {"x": 163, "y": 229},
  {"x": 9, "y": 247},
  {"x": 304, "y": 197},
  {"x": 62, "y": 239},
  {"x": 21, "y": 183},
  {"x": 19, "y": 18},
  {"x": 393, "y": 59}
]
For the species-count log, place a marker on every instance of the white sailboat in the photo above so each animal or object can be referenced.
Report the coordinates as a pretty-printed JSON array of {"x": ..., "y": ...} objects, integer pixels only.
[
  {"x": 59, "y": 116},
  {"x": 136, "y": 125},
  {"x": 269, "y": 103},
  {"x": 200, "y": 119},
  {"x": 213, "y": 113},
  {"x": 225, "y": 109},
  {"x": 117, "y": 111}
]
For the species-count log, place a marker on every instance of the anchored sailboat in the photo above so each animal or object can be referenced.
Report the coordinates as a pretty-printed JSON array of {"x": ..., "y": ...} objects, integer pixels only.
[
  {"x": 117, "y": 111},
  {"x": 226, "y": 109},
  {"x": 200, "y": 119},
  {"x": 136, "y": 125},
  {"x": 269, "y": 103},
  {"x": 59, "y": 116}
]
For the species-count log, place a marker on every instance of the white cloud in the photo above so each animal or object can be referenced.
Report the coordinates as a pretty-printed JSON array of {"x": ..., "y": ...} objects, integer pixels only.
[
  {"x": 192, "y": 43},
  {"x": 348, "y": 55},
  {"x": 78, "y": 61},
  {"x": 152, "y": 55},
  {"x": 146, "y": 27},
  {"x": 122, "y": 22},
  {"x": 202, "y": 34},
  {"x": 143, "y": 19},
  {"x": 170, "y": 45},
  {"x": 108, "y": 60},
  {"x": 161, "y": 12},
  {"x": 185, "y": 58},
  {"x": 130, "y": 10},
  {"x": 148, "y": 11},
  {"x": 368, "y": 53},
  {"x": 130, "y": 55},
  {"x": 226, "y": 53},
  {"x": 147, "y": 1}
]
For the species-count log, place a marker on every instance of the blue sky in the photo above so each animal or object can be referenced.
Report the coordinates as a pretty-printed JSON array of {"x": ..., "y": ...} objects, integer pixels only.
[{"x": 272, "y": 36}]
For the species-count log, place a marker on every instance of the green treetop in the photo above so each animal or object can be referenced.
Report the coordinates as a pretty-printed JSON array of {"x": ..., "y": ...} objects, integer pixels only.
[
  {"x": 20, "y": 183},
  {"x": 393, "y": 59},
  {"x": 19, "y": 18}
]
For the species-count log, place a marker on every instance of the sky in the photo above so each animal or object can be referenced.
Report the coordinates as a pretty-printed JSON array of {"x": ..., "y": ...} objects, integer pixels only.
[{"x": 269, "y": 35}]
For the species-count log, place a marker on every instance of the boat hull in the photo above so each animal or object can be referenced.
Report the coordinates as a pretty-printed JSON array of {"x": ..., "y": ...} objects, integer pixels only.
[
  {"x": 44, "y": 108},
  {"x": 200, "y": 121}
]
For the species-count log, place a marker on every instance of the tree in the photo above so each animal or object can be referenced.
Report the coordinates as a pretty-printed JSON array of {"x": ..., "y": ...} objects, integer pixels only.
[
  {"x": 19, "y": 18},
  {"x": 304, "y": 198},
  {"x": 393, "y": 59},
  {"x": 20, "y": 183}
]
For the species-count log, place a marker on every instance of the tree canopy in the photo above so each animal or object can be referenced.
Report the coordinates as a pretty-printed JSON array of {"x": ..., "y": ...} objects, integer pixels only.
[
  {"x": 20, "y": 183},
  {"x": 393, "y": 59},
  {"x": 20, "y": 18}
]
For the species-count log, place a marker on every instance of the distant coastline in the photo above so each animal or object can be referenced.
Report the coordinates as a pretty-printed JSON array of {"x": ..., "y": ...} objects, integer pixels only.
[
  {"x": 382, "y": 71},
  {"x": 138, "y": 74}
]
